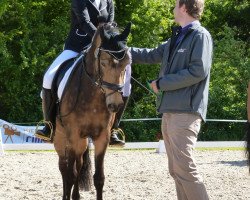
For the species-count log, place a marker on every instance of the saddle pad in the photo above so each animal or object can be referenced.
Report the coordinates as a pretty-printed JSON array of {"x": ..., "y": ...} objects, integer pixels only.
[{"x": 65, "y": 79}]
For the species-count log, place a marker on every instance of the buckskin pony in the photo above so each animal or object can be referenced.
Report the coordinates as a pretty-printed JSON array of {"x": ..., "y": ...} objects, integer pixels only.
[{"x": 87, "y": 109}]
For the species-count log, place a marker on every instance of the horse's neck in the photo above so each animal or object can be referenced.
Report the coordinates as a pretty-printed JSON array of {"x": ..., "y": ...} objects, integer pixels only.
[
  {"x": 91, "y": 61},
  {"x": 92, "y": 54}
]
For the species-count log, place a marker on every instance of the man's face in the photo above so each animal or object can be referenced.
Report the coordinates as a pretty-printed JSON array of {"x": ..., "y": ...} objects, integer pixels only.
[{"x": 178, "y": 12}]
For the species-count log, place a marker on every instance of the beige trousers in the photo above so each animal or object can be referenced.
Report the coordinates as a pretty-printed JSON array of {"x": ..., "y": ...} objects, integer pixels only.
[{"x": 180, "y": 133}]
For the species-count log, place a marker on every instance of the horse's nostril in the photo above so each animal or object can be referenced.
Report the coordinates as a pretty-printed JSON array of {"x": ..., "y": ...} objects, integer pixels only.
[
  {"x": 120, "y": 106},
  {"x": 113, "y": 107}
]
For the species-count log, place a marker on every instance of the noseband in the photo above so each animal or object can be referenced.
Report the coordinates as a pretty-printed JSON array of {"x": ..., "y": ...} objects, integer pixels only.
[{"x": 99, "y": 80}]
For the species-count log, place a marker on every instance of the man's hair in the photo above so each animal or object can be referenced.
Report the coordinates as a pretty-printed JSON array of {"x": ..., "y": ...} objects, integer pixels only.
[{"x": 194, "y": 7}]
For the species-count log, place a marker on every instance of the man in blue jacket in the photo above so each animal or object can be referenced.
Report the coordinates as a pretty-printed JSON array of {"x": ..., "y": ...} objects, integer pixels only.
[{"x": 182, "y": 88}]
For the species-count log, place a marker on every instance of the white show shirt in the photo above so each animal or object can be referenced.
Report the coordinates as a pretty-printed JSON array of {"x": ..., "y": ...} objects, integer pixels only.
[{"x": 97, "y": 2}]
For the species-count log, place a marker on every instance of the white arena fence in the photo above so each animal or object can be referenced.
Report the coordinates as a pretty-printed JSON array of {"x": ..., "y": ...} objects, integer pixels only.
[{"x": 16, "y": 137}]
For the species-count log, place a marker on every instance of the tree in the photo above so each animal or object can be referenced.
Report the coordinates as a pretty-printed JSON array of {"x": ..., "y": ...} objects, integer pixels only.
[
  {"x": 29, "y": 44},
  {"x": 32, "y": 33}
]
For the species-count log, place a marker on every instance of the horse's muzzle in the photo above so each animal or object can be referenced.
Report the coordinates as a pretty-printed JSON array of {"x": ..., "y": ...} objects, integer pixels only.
[{"x": 112, "y": 107}]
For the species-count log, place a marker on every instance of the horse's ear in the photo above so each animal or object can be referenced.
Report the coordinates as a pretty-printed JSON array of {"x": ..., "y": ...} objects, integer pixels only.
[
  {"x": 125, "y": 33},
  {"x": 104, "y": 34}
]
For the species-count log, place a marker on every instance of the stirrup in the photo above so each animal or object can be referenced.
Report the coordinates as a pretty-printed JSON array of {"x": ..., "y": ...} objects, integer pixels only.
[
  {"x": 45, "y": 138},
  {"x": 120, "y": 132}
]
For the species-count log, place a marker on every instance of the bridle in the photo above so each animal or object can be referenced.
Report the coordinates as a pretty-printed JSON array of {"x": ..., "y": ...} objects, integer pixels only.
[{"x": 98, "y": 79}]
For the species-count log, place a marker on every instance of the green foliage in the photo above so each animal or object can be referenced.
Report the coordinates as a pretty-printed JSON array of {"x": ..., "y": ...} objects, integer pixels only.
[
  {"x": 32, "y": 33},
  {"x": 229, "y": 78},
  {"x": 222, "y": 131},
  {"x": 233, "y": 12},
  {"x": 228, "y": 22},
  {"x": 230, "y": 75}
]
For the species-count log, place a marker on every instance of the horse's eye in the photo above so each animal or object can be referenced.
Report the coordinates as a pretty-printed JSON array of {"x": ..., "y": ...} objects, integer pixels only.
[{"x": 104, "y": 63}]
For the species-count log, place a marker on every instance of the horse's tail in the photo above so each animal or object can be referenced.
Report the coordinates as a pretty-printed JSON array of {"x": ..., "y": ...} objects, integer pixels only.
[
  {"x": 85, "y": 180},
  {"x": 248, "y": 143}
]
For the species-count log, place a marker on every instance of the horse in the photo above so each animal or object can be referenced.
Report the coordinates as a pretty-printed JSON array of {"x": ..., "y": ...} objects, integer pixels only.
[
  {"x": 248, "y": 126},
  {"x": 87, "y": 110}
]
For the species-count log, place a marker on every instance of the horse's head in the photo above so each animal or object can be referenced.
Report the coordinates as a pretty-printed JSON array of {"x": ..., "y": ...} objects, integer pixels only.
[{"x": 111, "y": 56}]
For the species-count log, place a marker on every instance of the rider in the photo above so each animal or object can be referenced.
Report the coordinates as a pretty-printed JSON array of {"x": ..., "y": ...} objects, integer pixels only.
[{"x": 84, "y": 20}]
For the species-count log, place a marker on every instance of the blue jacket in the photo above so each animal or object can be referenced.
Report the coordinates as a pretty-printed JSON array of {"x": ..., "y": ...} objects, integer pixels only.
[
  {"x": 84, "y": 20},
  {"x": 184, "y": 74}
]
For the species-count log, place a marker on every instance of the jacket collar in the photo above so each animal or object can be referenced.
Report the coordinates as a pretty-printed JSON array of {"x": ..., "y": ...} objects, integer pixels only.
[
  {"x": 194, "y": 24},
  {"x": 103, "y": 4},
  {"x": 189, "y": 27}
]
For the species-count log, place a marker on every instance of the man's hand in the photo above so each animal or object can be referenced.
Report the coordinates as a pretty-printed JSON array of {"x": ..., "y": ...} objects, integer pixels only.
[{"x": 154, "y": 87}]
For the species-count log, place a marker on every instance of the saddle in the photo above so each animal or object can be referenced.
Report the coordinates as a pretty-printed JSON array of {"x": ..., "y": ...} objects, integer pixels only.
[{"x": 60, "y": 75}]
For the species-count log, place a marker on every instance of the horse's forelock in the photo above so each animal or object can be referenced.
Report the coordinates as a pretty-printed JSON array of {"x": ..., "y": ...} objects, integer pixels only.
[
  {"x": 112, "y": 40},
  {"x": 113, "y": 43}
]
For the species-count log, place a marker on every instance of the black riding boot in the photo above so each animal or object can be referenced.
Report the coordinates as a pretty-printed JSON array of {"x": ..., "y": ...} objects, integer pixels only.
[
  {"x": 49, "y": 113},
  {"x": 114, "y": 140}
]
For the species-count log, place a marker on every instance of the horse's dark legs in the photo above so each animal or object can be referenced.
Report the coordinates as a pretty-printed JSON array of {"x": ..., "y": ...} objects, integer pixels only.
[
  {"x": 66, "y": 166},
  {"x": 99, "y": 176},
  {"x": 78, "y": 166},
  {"x": 63, "y": 169}
]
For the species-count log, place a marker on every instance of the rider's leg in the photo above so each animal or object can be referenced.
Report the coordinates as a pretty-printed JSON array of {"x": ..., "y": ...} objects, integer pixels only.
[
  {"x": 114, "y": 140},
  {"x": 48, "y": 102},
  {"x": 49, "y": 114}
]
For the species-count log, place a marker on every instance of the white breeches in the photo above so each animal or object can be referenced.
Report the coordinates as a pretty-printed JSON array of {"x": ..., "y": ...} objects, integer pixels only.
[
  {"x": 65, "y": 78},
  {"x": 127, "y": 78},
  {"x": 50, "y": 73}
]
